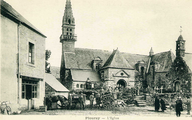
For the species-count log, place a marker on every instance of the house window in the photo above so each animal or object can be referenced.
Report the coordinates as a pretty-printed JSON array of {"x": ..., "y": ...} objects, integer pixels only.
[
  {"x": 34, "y": 91},
  {"x": 29, "y": 89},
  {"x": 23, "y": 91},
  {"x": 70, "y": 33},
  {"x": 70, "y": 29},
  {"x": 31, "y": 53}
]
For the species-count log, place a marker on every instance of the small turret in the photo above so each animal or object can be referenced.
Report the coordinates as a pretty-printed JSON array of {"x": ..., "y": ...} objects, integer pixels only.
[{"x": 151, "y": 53}]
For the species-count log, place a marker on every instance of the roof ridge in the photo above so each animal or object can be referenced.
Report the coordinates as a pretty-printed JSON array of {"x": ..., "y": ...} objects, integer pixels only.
[
  {"x": 17, "y": 16},
  {"x": 110, "y": 59},
  {"x": 162, "y": 52},
  {"x": 92, "y": 49}
]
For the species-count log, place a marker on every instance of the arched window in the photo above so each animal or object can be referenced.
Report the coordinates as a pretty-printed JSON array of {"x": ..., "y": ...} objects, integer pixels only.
[
  {"x": 77, "y": 86},
  {"x": 69, "y": 21},
  {"x": 82, "y": 86}
]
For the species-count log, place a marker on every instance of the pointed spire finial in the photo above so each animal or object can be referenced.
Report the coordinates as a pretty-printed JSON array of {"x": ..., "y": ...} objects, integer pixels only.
[{"x": 151, "y": 53}]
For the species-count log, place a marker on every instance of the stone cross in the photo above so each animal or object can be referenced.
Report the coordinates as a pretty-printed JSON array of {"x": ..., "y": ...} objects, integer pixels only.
[{"x": 180, "y": 30}]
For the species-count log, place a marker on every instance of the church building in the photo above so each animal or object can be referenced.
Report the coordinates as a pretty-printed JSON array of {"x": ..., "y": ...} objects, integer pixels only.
[{"x": 113, "y": 68}]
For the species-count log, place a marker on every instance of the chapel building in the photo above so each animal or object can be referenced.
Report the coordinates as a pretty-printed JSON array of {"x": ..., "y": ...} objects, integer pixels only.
[{"x": 114, "y": 68}]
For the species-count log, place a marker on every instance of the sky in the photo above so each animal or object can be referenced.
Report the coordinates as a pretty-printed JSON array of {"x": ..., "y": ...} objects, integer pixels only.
[{"x": 132, "y": 26}]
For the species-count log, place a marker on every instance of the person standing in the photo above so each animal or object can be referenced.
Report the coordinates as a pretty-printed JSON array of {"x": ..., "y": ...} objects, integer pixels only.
[
  {"x": 178, "y": 107},
  {"x": 157, "y": 104},
  {"x": 91, "y": 98},
  {"x": 188, "y": 103},
  {"x": 98, "y": 100},
  {"x": 163, "y": 107},
  {"x": 81, "y": 100}
]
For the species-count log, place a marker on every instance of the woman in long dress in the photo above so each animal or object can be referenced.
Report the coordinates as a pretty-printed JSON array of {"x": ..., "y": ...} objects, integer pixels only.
[{"x": 157, "y": 104}]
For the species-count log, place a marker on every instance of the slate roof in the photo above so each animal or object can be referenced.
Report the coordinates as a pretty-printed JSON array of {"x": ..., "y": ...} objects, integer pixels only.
[
  {"x": 82, "y": 75},
  {"x": 188, "y": 61},
  {"x": 116, "y": 60},
  {"x": 132, "y": 59},
  {"x": 163, "y": 61},
  {"x": 55, "y": 71},
  {"x": 12, "y": 14},
  {"x": 54, "y": 83},
  {"x": 83, "y": 57}
]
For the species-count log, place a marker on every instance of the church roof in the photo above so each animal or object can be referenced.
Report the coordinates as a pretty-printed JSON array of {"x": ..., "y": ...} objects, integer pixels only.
[
  {"x": 116, "y": 60},
  {"x": 83, "y": 57},
  {"x": 82, "y": 75},
  {"x": 12, "y": 14},
  {"x": 188, "y": 61},
  {"x": 163, "y": 61},
  {"x": 132, "y": 59}
]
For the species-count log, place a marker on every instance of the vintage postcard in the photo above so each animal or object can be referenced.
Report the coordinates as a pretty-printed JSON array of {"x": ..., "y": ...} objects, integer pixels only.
[{"x": 96, "y": 59}]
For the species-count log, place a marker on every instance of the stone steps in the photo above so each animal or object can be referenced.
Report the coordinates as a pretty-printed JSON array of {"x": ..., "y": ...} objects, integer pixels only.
[{"x": 140, "y": 101}]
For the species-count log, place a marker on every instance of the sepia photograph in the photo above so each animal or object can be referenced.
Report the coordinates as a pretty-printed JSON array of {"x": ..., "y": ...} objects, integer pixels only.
[{"x": 96, "y": 59}]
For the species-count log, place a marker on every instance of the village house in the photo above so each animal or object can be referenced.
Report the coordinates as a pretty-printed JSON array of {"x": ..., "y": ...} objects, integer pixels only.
[{"x": 22, "y": 60}]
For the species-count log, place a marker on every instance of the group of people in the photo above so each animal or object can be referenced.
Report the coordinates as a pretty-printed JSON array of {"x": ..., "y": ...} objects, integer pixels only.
[
  {"x": 178, "y": 105},
  {"x": 82, "y": 99},
  {"x": 159, "y": 103}
]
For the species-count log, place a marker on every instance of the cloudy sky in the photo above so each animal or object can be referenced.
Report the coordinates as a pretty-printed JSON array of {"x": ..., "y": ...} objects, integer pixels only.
[{"x": 134, "y": 26}]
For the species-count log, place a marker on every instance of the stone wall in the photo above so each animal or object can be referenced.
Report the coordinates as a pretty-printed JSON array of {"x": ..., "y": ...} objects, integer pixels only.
[{"x": 8, "y": 58}]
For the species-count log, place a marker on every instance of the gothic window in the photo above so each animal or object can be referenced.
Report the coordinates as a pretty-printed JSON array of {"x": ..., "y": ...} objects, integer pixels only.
[{"x": 69, "y": 21}]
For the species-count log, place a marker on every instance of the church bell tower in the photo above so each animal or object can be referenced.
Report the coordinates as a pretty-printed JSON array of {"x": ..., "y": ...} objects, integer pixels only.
[
  {"x": 180, "y": 47},
  {"x": 68, "y": 37}
]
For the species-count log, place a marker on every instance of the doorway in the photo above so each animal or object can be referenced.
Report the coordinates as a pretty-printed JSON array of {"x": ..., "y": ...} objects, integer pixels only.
[
  {"x": 121, "y": 83},
  {"x": 177, "y": 86},
  {"x": 28, "y": 91}
]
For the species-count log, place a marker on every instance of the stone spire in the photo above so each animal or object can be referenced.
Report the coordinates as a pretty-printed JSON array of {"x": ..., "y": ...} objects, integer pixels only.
[
  {"x": 68, "y": 14},
  {"x": 151, "y": 53},
  {"x": 68, "y": 24}
]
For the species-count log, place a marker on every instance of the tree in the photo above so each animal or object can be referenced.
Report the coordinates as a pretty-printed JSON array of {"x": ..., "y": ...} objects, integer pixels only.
[{"x": 47, "y": 64}]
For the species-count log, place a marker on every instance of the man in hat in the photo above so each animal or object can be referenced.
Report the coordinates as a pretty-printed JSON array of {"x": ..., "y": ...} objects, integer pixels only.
[
  {"x": 82, "y": 101},
  {"x": 178, "y": 107}
]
